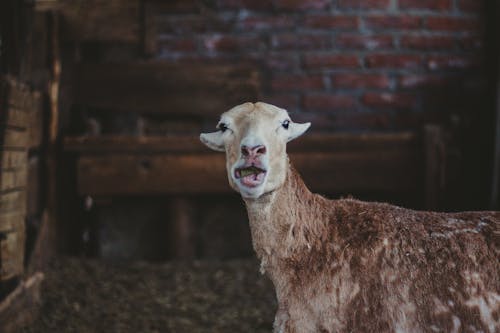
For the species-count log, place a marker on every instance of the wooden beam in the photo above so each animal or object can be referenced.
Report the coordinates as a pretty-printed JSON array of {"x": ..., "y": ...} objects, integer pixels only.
[
  {"x": 143, "y": 174},
  {"x": 96, "y": 20},
  {"x": 200, "y": 90},
  {"x": 191, "y": 143}
]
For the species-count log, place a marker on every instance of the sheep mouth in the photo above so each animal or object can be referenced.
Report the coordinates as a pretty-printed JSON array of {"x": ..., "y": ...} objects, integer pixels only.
[{"x": 250, "y": 176}]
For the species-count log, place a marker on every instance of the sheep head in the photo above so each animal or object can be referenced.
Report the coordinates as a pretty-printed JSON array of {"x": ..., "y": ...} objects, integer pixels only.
[{"x": 254, "y": 137}]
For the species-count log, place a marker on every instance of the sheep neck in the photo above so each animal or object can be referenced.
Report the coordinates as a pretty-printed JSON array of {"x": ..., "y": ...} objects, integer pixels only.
[{"x": 285, "y": 222}]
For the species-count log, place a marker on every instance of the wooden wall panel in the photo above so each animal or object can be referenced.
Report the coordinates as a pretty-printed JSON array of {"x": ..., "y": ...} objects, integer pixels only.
[
  {"x": 97, "y": 20},
  {"x": 144, "y": 174},
  {"x": 21, "y": 111},
  {"x": 165, "y": 88}
]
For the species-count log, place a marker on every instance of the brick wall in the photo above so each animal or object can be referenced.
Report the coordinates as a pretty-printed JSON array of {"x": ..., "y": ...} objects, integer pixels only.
[{"x": 344, "y": 64}]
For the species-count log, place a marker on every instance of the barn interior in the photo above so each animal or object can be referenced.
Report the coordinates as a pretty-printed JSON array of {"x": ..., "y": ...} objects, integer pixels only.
[{"x": 114, "y": 217}]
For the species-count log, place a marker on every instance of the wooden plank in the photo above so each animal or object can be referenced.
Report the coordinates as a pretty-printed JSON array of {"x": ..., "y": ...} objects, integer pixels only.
[
  {"x": 155, "y": 10},
  {"x": 97, "y": 20},
  {"x": 108, "y": 175},
  {"x": 33, "y": 189},
  {"x": 17, "y": 118},
  {"x": 15, "y": 138},
  {"x": 191, "y": 143},
  {"x": 12, "y": 253},
  {"x": 12, "y": 159},
  {"x": 13, "y": 179},
  {"x": 12, "y": 202},
  {"x": 36, "y": 124},
  {"x": 11, "y": 221},
  {"x": 201, "y": 90},
  {"x": 181, "y": 228},
  {"x": 18, "y": 95},
  {"x": 359, "y": 171}
]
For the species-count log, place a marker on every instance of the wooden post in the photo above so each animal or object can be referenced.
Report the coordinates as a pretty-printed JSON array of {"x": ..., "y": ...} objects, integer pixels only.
[
  {"x": 181, "y": 229},
  {"x": 47, "y": 242}
]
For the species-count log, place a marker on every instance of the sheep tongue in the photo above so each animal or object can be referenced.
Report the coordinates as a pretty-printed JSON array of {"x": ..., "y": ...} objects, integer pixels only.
[{"x": 253, "y": 179}]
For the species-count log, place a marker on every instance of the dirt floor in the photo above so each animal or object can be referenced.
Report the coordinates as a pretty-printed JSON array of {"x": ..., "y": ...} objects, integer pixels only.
[{"x": 93, "y": 296}]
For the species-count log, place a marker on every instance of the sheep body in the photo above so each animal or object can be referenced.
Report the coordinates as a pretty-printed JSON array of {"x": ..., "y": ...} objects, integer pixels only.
[{"x": 352, "y": 266}]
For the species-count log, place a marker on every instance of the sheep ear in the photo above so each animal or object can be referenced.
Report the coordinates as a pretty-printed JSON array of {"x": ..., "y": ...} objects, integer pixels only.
[
  {"x": 213, "y": 140},
  {"x": 295, "y": 130}
]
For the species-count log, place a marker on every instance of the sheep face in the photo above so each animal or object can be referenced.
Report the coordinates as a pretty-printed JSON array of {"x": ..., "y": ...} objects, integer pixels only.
[{"x": 254, "y": 137}]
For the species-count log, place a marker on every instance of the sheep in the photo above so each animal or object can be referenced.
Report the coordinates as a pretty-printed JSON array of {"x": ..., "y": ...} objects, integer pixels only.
[{"x": 352, "y": 266}]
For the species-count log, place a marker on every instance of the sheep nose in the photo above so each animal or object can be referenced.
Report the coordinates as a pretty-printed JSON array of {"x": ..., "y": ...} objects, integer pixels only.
[{"x": 253, "y": 151}]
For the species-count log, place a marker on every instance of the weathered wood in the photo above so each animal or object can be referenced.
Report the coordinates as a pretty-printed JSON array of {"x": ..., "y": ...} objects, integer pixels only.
[
  {"x": 12, "y": 220},
  {"x": 12, "y": 159},
  {"x": 13, "y": 179},
  {"x": 33, "y": 188},
  {"x": 205, "y": 173},
  {"x": 191, "y": 143},
  {"x": 15, "y": 138},
  {"x": 19, "y": 95},
  {"x": 97, "y": 20},
  {"x": 182, "y": 243},
  {"x": 154, "y": 10},
  {"x": 200, "y": 90},
  {"x": 17, "y": 118},
  {"x": 20, "y": 308},
  {"x": 36, "y": 125},
  {"x": 12, "y": 202},
  {"x": 12, "y": 253}
]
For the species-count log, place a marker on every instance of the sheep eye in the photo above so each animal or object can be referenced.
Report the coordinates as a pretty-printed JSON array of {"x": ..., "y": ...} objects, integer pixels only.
[
  {"x": 222, "y": 127},
  {"x": 285, "y": 124}
]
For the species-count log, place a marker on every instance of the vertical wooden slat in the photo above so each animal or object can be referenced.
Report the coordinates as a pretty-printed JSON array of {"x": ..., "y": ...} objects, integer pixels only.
[
  {"x": 181, "y": 229},
  {"x": 46, "y": 244}
]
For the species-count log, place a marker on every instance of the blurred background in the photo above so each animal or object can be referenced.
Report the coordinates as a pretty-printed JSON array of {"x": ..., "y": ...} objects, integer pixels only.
[{"x": 102, "y": 102}]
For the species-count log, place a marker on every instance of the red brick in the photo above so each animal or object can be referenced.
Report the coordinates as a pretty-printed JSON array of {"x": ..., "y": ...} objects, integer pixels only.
[
  {"x": 393, "y": 61},
  {"x": 289, "y": 41},
  {"x": 427, "y": 42},
  {"x": 363, "y": 120},
  {"x": 267, "y": 22},
  {"x": 279, "y": 62},
  {"x": 331, "y": 22},
  {"x": 329, "y": 102},
  {"x": 166, "y": 45},
  {"x": 440, "y": 5},
  {"x": 356, "y": 41},
  {"x": 290, "y": 101},
  {"x": 422, "y": 81},
  {"x": 297, "y": 82},
  {"x": 364, "y": 4},
  {"x": 471, "y": 43},
  {"x": 301, "y": 4},
  {"x": 224, "y": 43},
  {"x": 175, "y": 6},
  {"x": 355, "y": 81},
  {"x": 389, "y": 100},
  {"x": 453, "y": 24},
  {"x": 262, "y": 5},
  {"x": 400, "y": 22},
  {"x": 443, "y": 62},
  {"x": 325, "y": 61},
  {"x": 471, "y": 5}
]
